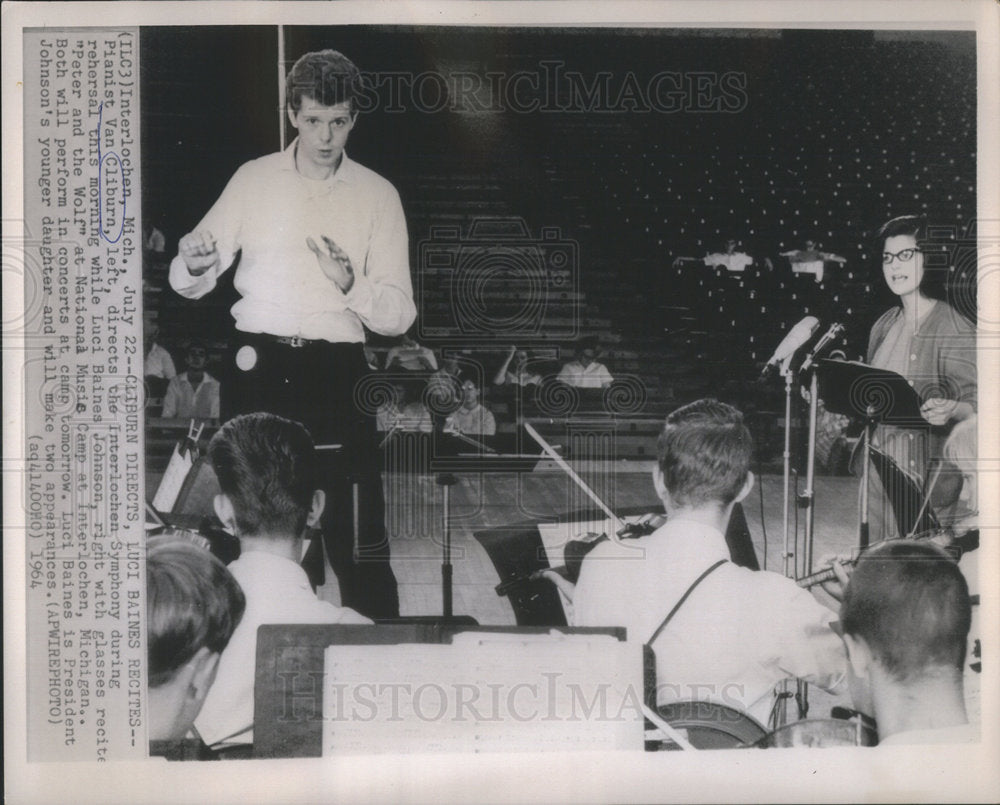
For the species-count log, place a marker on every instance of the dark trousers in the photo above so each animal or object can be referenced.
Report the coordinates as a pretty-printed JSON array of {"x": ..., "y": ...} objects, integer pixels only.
[{"x": 322, "y": 385}]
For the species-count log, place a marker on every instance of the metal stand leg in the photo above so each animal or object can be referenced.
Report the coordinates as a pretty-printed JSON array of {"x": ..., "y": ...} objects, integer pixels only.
[
  {"x": 807, "y": 501},
  {"x": 445, "y": 481},
  {"x": 863, "y": 535},
  {"x": 808, "y": 497},
  {"x": 356, "y": 519},
  {"x": 787, "y": 556}
]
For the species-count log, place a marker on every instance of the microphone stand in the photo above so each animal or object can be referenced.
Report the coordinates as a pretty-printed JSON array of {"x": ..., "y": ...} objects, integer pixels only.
[
  {"x": 788, "y": 569},
  {"x": 446, "y": 480},
  {"x": 863, "y": 530},
  {"x": 806, "y": 500},
  {"x": 786, "y": 554}
]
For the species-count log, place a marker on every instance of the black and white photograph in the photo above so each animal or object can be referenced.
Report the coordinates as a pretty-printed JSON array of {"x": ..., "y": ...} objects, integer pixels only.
[{"x": 507, "y": 402}]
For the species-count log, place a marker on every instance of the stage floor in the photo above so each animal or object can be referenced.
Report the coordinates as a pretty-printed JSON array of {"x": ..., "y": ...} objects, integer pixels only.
[{"x": 478, "y": 501}]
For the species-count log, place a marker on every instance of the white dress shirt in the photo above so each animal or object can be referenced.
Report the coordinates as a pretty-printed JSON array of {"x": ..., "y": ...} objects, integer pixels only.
[
  {"x": 158, "y": 363},
  {"x": 184, "y": 400},
  {"x": 737, "y": 261},
  {"x": 268, "y": 210},
  {"x": 277, "y": 591},
  {"x": 594, "y": 376},
  {"x": 739, "y": 634},
  {"x": 478, "y": 421}
]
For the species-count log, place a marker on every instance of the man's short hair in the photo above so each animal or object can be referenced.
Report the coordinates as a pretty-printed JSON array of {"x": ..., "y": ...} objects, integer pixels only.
[
  {"x": 266, "y": 466},
  {"x": 327, "y": 76},
  {"x": 192, "y": 601},
  {"x": 704, "y": 453},
  {"x": 910, "y": 604}
]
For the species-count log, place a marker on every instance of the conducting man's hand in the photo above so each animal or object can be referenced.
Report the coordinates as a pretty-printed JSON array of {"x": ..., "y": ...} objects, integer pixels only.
[
  {"x": 334, "y": 262},
  {"x": 198, "y": 251}
]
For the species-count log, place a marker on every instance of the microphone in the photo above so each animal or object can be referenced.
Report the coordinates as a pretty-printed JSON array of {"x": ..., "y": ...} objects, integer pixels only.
[
  {"x": 835, "y": 330},
  {"x": 796, "y": 337}
]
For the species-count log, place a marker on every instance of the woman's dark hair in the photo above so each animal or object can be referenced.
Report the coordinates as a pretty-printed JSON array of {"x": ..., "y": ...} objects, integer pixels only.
[{"x": 934, "y": 281}]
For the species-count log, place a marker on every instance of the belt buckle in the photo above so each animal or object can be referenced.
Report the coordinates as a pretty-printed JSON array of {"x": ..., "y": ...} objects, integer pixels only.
[{"x": 296, "y": 341}]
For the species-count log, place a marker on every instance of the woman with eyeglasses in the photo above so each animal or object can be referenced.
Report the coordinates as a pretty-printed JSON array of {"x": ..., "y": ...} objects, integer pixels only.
[{"x": 933, "y": 346}]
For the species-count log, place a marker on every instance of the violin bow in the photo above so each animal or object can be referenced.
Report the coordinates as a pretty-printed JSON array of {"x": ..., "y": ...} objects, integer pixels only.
[{"x": 559, "y": 460}]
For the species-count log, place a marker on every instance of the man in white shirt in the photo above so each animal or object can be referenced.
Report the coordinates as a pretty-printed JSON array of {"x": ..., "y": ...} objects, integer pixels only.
[
  {"x": 472, "y": 417},
  {"x": 740, "y": 632},
  {"x": 323, "y": 254},
  {"x": 158, "y": 365},
  {"x": 730, "y": 259},
  {"x": 193, "y": 393},
  {"x": 585, "y": 372},
  {"x": 905, "y": 615},
  {"x": 811, "y": 260},
  {"x": 398, "y": 413},
  {"x": 269, "y": 496}
]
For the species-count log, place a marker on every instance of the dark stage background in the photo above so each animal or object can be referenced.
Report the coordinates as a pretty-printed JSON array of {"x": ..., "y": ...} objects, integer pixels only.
[{"x": 770, "y": 137}]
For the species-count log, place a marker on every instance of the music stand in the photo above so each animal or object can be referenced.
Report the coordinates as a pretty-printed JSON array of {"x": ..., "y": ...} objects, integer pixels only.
[
  {"x": 904, "y": 495},
  {"x": 878, "y": 396}
]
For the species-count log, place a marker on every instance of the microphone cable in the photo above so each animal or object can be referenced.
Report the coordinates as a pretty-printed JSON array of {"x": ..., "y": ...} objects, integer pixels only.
[{"x": 760, "y": 494}]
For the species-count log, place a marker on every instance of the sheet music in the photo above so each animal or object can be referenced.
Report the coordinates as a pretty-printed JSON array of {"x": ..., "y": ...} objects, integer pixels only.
[
  {"x": 478, "y": 695},
  {"x": 173, "y": 479}
]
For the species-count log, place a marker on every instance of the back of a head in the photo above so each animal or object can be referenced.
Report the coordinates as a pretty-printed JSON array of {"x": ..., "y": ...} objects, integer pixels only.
[
  {"x": 910, "y": 604},
  {"x": 704, "y": 453},
  {"x": 266, "y": 466},
  {"x": 192, "y": 602},
  {"x": 326, "y": 76}
]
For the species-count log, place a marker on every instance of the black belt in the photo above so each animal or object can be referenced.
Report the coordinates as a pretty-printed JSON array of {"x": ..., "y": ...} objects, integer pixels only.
[{"x": 293, "y": 341}]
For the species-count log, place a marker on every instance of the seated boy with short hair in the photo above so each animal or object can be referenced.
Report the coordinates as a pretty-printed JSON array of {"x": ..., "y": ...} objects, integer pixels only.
[
  {"x": 193, "y": 606},
  {"x": 270, "y": 495}
]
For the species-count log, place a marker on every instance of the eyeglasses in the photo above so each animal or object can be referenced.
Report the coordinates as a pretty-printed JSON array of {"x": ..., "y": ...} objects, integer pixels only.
[{"x": 903, "y": 256}]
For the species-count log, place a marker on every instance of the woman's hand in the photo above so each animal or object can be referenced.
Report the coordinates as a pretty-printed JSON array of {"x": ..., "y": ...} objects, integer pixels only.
[{"x": 939, "y": 411}]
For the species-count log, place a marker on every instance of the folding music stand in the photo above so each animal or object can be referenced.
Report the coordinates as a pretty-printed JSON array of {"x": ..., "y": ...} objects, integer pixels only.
[
  {"x": 878, "y": 396},
  {"x": 905, "y": 496},
  {"x": 517, "y": 551}
]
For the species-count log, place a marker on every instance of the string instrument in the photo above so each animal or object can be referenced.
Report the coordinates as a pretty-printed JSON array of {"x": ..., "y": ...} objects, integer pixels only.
[
  {"x": 944, "y": 538},
  {"x": 223, "y": 545},
  {"x": 205, "y": 532},
  {"x": 820, "y": 732},
  {"x": 575, "y": 550}
]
